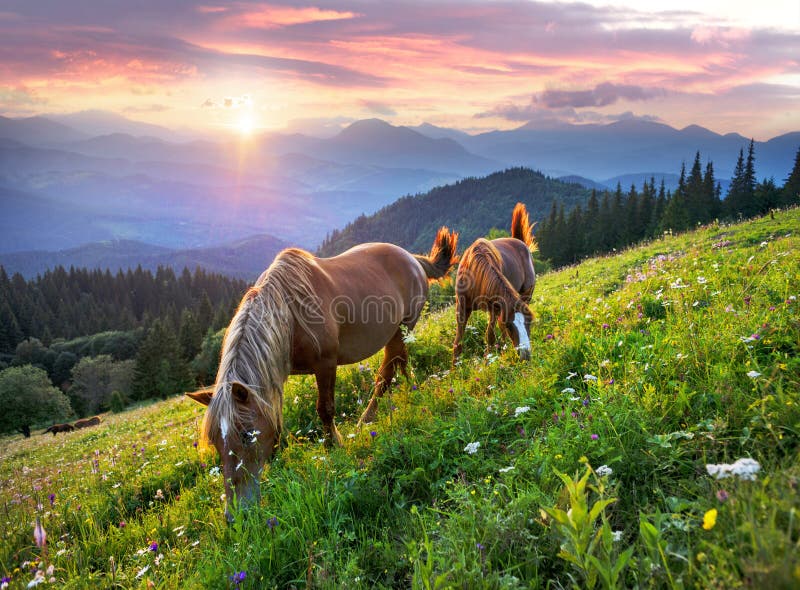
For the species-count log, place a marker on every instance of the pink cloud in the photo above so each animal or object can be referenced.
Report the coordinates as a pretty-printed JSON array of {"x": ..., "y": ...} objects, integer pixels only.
[{"x": 274, "y": 16}]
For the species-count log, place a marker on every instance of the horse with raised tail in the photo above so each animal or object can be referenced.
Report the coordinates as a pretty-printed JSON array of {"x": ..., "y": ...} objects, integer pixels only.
[
  {"x": 307, "y": 315},
  {"x": 497, "y": 276}
]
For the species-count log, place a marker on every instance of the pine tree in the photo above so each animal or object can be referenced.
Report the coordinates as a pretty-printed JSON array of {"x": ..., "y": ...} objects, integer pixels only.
[
  {"x": 592, "y": 224},
  {"x": 741, "y": 201},
  {"x": 791, "y": 188},
  {"x": 606, "y": 221},
  {"x": 544, "y": 236},
  {"x": 574, "y": 229},
  {"x": 696, "y": 208},
  {"x": 647, "y": 202},
  {"x": 767, "y": 196},
  {"x": 160, "y": 368},
  {"x": 658, "y": 210},
  {"x": 633, "y": 232},
  {"x": 189, "y": 336},
  {"x": 676, "y": 214},
  {"x": 711, "y": 200}
]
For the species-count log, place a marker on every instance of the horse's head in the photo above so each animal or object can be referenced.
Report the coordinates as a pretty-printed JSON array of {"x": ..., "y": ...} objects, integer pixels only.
[
  {"x": 245, "y": 436},
  {"x": 518, "y": 325}
]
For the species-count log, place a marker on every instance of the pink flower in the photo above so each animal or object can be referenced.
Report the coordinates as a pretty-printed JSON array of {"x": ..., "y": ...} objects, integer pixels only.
[{"x": 39, "y": 534}]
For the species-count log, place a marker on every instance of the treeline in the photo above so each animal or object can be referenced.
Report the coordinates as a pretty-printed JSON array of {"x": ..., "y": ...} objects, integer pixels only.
[
  {"x": 615, "y": 220},
  {"x": 66, "y": 304},
  {"x": 142, "y": 335},
  {"x": 472, "y": 207}
]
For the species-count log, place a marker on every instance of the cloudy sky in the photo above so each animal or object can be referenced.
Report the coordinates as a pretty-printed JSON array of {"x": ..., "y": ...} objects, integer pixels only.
[{"x": 475, "y": 65}]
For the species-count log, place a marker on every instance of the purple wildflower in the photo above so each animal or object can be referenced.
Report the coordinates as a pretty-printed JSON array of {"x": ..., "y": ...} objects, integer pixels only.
[
  {"x": 480, "y": 546},
  {"x": 595, "y": 436},
  {"x": 413, "y": 388},
  {"x": 238, "y": 577},
  {"x": 154, "y": 546},
  {"x": 549, "y": 337},
  {"x": 606, "y": 326},
  {"x": 272, "y": 522},
  {"x": 194, "y": 444},
  {"x": 722, "y": 495},
  {"x": 585, "y": 403},
  {"x": 373, "y": 434},
  {"x": 52, "y": 498}
]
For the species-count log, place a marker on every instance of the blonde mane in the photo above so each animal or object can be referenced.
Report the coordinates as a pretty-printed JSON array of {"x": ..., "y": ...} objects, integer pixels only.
[{"x": 257, "y": 348}]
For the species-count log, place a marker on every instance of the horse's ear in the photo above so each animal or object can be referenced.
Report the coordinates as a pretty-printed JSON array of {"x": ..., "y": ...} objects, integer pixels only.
[
  {"x": 240, "y": 392},
  {"x": 202, "y": 396}
]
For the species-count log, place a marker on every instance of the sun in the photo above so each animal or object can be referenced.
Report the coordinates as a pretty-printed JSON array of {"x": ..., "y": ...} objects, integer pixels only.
[{"x": 246, "y": 124}]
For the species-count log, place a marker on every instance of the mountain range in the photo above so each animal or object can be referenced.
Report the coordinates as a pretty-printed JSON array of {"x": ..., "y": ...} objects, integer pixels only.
[
  {"x": 245, "y": 259},
  {"x": 69, "y": 180}
]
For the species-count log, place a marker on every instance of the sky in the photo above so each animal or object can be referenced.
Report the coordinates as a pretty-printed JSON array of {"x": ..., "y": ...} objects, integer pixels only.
[{"x": 244, "y": 67}]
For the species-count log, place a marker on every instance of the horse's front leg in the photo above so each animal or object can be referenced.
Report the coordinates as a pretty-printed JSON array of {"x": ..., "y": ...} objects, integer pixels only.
[
  {"x": 326, "y": 405},
  {"x": 491, "y": 337}
]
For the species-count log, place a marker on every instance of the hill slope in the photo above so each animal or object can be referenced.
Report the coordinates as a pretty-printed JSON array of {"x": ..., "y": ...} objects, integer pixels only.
[
  {"x": 649, "y": 367},
  {"x": 472, "y": 207}
]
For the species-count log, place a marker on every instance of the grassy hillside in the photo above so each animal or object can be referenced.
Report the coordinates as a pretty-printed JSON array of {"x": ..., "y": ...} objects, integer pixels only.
[
  {"x": 591, "y": 468},
  {"x": 473, "y": 206}
]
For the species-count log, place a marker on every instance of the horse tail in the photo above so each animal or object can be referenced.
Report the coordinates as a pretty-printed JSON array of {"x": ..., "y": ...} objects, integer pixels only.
[
  {"x": 521, "y": 227},
  {"x": 442, "y": 256}
]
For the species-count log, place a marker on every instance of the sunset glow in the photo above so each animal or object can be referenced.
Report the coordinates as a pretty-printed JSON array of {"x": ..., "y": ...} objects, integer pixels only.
[{"x": 470, "y": 65}]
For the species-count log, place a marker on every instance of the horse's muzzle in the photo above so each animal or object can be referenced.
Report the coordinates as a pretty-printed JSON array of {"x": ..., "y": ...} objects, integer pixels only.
[{"x": 244, "y": 503}]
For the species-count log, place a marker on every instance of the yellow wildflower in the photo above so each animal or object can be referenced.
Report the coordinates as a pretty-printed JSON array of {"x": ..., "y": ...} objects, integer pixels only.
[{"x": 710, "y": 519}]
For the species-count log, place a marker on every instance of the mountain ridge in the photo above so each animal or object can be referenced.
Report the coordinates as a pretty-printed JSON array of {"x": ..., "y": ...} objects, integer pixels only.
[{"x": 245, "y": 258}]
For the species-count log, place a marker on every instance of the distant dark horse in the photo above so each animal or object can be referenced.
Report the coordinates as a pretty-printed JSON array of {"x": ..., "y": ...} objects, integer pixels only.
[
  {"x": 497, "y": 276},
  {"x": 306, "y": 315},
  {"x": 86, "y": 422},
  {"x": 56, "y": 428}
]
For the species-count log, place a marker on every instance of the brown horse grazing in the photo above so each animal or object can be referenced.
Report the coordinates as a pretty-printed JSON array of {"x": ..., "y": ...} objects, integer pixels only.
[
  {"x": 56, "y": 428},
  {"x": 497, "y": 276},
  {"x": 306, "y": 315},
  {"x": 86, "y": 422}
]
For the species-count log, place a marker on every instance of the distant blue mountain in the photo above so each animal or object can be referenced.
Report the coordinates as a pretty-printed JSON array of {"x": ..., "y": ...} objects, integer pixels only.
[
  {"x": 245, "y": 259},
  {"x": 96, "y": 176}
]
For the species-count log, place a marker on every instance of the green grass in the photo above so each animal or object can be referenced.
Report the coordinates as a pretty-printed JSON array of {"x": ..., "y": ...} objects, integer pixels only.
[{"x": 640, "y": 363}]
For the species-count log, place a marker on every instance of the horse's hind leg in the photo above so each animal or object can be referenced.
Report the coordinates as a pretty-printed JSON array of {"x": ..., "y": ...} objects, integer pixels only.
[
  {"x": 462, "y": 317},
  {"x": 326, "y": 408},
  {"x": 395, "y": 356}
]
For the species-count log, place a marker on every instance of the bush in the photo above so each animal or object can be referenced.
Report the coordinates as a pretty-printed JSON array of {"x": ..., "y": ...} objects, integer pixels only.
[{"x": 117, "y": 402}]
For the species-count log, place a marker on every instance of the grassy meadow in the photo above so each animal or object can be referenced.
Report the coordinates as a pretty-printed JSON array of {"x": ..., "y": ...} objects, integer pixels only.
[{"x": 583, "y": 468}]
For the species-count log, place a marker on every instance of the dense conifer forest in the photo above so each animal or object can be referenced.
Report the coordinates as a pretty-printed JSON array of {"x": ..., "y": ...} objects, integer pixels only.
[
  {"x": 94, "y": 333},
  {"x": 573, "y": 222}
]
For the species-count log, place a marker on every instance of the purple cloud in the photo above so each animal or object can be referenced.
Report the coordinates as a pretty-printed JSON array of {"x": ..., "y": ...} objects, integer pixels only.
[
  {"x": 378, "y": 108},
  {"x": 600, "y": 96}
]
